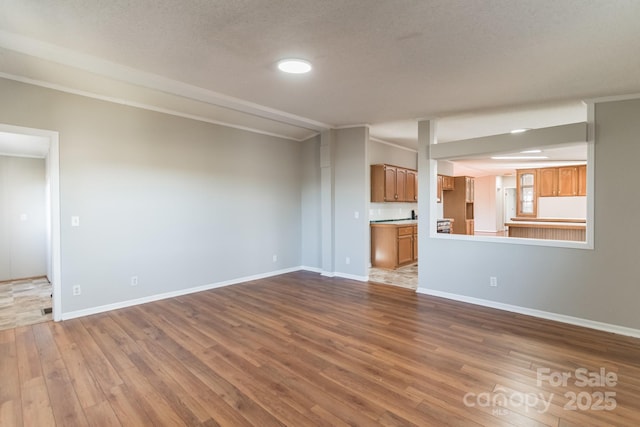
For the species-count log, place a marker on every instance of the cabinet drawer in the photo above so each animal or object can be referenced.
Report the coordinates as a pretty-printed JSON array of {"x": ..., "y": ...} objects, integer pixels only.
[{"x": 403, "y": 231}]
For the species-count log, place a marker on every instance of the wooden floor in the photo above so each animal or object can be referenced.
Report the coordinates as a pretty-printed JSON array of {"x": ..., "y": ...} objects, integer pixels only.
[{"x": 303, "y": 350}]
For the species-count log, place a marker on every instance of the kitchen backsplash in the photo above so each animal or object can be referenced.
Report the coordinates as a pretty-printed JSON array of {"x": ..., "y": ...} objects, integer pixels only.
[{"x": 379, "y": 211}]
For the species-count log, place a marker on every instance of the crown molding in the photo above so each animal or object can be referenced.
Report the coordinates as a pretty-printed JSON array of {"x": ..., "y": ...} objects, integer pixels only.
[{"x": 67, "y": 57}]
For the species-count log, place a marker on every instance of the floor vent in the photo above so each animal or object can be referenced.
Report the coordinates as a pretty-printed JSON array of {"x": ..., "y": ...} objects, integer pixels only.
[{"x": 46, "y": 311}]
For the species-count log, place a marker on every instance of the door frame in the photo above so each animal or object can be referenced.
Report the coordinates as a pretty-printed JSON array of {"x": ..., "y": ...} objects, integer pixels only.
[{"x": 52, "y": 166}]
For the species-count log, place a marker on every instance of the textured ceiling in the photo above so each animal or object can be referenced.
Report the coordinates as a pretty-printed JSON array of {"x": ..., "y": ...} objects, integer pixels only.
[{"x": 375, "y": 61}]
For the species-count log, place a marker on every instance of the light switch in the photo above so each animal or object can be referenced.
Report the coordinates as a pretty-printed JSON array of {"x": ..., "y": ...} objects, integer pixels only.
[
  {"x": 23, "y": 217},
  {"x": 75, "y": 221},
  {"x": 356, "y": 214}
]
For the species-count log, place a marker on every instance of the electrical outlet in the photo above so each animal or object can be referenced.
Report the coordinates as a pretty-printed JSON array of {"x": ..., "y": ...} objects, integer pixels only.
[
  {"x": 347, "y": 260},
  {"x": 493, "y": 281},
  {"x": 77, "y": 290},
  {"x": 75, "y": 221},
  {"x": 134, "y": 280},
  {"x": 356, "y": 215},
  {"x": 275, "y": 258}
]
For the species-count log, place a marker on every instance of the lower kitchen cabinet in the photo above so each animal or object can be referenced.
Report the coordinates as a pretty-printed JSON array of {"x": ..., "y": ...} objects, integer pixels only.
[{"x": 393, "y": 245}]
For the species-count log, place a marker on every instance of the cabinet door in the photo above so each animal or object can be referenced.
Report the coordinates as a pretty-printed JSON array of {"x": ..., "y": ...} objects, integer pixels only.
[
  {"x": 582, "y": 180},
  {"x": 469, "y": 190},
  {"x": 415, "y": 243},
  {"x": 410, "y": 188},
  {"x": 440, "y": 181},
  {"x": 447, "y": 183},
  {"x": 390, "y": 194},
  {"x": 568, "y": 181},
  {"x": 470, "y": 227},
  {"x": 401, "y": 185},
  {"x": 526, "y": 192},
  {"x": 548, "y": 186},
  {"x": 405, "y": 249}
]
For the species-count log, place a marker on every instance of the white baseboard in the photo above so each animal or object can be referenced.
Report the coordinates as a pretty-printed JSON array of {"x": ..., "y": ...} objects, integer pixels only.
[
  {"x": 311, "y": 269},
  {"x": 601, "y": 326},
  {"x": 352, "y": 277},
  {"x": 173, "y": 294}
]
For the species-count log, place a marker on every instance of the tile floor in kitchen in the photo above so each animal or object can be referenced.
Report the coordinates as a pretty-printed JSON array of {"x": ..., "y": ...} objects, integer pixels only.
[
  {"x": 22, "y": 302},
  {"x": 405, "y": 277}
]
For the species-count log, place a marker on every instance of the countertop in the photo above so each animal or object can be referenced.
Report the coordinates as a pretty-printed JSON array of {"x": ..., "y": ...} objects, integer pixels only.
[{"x": 406, "y": 221}]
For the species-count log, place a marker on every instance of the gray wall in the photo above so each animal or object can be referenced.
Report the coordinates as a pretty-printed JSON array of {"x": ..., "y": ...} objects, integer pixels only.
[
  {"x": 384, "y": 153},
  {"x": 22, "y": 218},
  {"x": 311, "y": 244},
  {"x": 177, "y": 202},
  {"x": 351, "y": 195},
  {"x": 599, "y": 284}
]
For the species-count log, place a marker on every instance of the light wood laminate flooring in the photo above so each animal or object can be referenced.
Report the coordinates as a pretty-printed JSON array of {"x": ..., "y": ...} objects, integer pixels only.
[
  {"x": 22, "y": 302},
  {"x": 305, "y": 350}
]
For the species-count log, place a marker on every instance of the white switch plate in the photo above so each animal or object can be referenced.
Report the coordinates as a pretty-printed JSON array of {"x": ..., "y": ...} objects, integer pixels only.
[
  {"x": 347, "y": 260},
  {"x": 134, "y": 280},
  {"x": 275, "y": 258},
  {"x": 23, "y": 217},
  {"x": 75, "y": 221},
  {"x": 356, "y": 214}
]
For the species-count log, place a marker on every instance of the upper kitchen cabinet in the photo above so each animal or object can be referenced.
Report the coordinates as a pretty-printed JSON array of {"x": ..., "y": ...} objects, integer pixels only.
[
  {"x": 393, "y": 184},
  {"x": 526, "y": 192},
  {"x": 582, "y": 180},
  {"x": 411, "y": 186},
  {"x": 565, "y": 181}
]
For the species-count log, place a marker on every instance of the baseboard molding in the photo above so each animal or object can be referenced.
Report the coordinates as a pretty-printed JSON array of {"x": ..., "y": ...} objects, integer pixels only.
[
  {"x": 172, "y": 294},
  {"x": 592, "y": 324},
  {"x": 352, "y": 277},
  {"x": 311, "y": 269}
]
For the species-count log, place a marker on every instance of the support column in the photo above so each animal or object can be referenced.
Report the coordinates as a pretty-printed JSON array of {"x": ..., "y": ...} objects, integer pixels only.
[
  {"x": 327, "y": 195},
  {"x": 427, "y": 187}
]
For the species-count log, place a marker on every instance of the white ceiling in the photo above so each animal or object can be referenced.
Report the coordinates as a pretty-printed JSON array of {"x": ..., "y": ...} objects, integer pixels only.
[{"x": 383, "y": 63}]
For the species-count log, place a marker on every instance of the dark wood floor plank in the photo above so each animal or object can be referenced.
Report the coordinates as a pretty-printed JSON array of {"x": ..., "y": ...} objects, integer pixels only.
[{"x": 304, "y": 350}]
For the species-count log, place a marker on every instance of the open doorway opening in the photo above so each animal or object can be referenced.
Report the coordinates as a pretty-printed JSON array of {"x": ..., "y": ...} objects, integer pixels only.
[{"x": 30, "y": 253}]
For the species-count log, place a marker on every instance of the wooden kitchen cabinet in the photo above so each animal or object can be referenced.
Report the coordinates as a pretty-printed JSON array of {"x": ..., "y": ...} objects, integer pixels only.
[
  {"x": 582, "y": 180},
  {"x": 411, "y": 186},
  {"x": 562, "y": 181},
  {"x": 567, "y": 181},
  {"x": 439, "y": 193},
  {"x": 448, "y": 183},
  {"x": 393, "y": 184},
  {"x": 526, "y": 187},
  {"x": 458, "y": 204},
  {"x": 393, "y": 245},
  {"x": 548, "y": 186},
  {"x": 415, "y": 243}
]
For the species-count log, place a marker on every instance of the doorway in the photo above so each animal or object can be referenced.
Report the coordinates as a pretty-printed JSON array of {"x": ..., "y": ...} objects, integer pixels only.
[
  {"x": 509, "y": 204},
  {"x": 20, "y": 141}
]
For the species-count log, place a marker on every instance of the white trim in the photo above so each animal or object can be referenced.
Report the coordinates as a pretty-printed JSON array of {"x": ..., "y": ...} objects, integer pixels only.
[
  {"x": 392, "y": 144},
  {"x": 172, "y": 294},
  {"x": 60, "y": 55},
  {"x": 612, "y": 98},
  {"x": 512, "y": 240},
  {"x": 311, "y": 269},
  {"x": 363, "y": 125},
  {"x": 26, "y": 156},
  {"x": 585, "y": 323},
  {"x": 122, "y": 101},
  {"x": 327, "y": 274},
  {"x": 351, "y": 277}
]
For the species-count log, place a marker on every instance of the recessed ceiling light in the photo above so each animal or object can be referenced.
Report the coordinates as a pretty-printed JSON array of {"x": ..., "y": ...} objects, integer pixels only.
[
  {"x": 520, "y": 130},
  {"x": 530, "y": 151},
  {"x": 294, "y": 66},
  {"x": 519, "y": 157}
]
